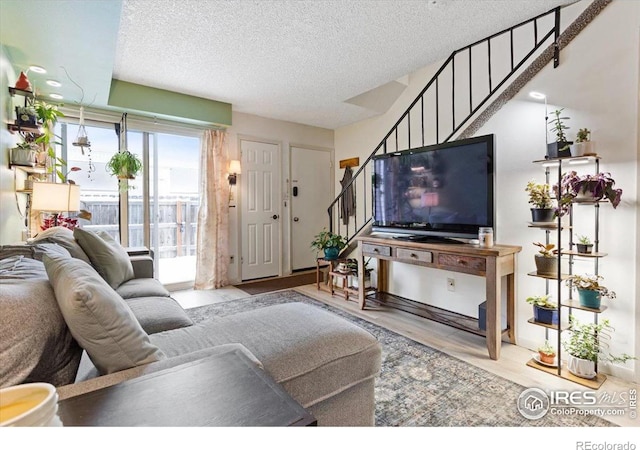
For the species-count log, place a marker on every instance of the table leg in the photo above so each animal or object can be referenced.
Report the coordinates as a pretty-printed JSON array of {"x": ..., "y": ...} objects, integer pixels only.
[
  {"x": 511, "y": 307},
  {"x": 494, "y": 299}
]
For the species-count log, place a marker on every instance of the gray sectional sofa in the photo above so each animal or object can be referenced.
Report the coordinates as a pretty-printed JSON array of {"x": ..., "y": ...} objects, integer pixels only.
[{"x": 78, "y": 312}]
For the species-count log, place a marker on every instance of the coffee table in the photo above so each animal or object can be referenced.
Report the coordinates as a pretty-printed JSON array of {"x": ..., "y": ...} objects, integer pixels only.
[{"x": 225, "y": 390}]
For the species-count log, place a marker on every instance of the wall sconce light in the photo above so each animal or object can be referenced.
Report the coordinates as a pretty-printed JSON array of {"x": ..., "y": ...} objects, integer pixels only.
[{"x": 234, "y": 170}]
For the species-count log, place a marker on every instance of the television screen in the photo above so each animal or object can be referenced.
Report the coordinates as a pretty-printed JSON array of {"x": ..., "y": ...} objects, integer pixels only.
[{"x": 441, "y": 190}]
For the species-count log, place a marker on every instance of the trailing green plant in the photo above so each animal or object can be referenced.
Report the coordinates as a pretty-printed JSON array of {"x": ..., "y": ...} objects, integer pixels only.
[
  {"x": 590, "y": 283},
  {"x": 558, "y": 127},
  {"x": 327, "y": 239},
  {"x": 539, "y": 195},
  {"x": 48, "y": 114},
  {"x": 543, "y": 301},
  {"x": 589, "y": 341},
  {"x": 600, "y": 185},
  {"x": 124, "y": 165}
]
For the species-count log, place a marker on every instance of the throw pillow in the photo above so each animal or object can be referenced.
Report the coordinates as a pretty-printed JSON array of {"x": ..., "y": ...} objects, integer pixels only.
[
  {"x": 107, "y": 256},
  {"x": 63, "y": 237},
  {"x": 101, "y": 322}
]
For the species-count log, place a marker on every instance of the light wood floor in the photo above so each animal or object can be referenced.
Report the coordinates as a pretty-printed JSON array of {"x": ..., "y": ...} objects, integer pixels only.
[{"x": 460, "y": 344}]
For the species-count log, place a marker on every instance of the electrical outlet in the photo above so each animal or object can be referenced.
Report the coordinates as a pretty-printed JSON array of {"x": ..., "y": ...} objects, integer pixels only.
[{"x": 451, "y": 284}]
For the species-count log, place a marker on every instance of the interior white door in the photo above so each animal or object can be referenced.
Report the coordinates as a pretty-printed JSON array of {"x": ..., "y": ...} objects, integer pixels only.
[
  {"x": 260, "y": 183},
  {"x": 311, "y": 194}
]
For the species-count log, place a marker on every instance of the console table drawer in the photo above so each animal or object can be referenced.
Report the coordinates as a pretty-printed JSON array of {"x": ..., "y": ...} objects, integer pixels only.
[
  {"x": 372, "y": 249},
  {"x": 459, "y": 261},
  {"x": 414, "y": 255}
]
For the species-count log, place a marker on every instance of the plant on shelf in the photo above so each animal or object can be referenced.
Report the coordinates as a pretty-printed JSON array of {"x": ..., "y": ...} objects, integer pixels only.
[
  {"x": 583, "y": 144},
  {"x": 584, "y": 244},
  {"x": 330, "y": 243},
  {"x": 26, "y": 116},
  {"x": 124, "y": 165},
  {"x": 576, "y": 188},
  {"x": 546, "y": 260},
  {"x": 540, "y": 198},
  {"x": 559, "y": 148},
  {"x": 590, "y": 291},
  {"x": 544, "y": 310},
  {"x": 24, "y": 154},
  {"x": 587, "y": 345},
  {"x": 547, "y": 353}
]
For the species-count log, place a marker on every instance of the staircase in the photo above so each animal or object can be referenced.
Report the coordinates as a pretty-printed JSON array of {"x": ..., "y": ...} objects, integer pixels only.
[{"x": 455, "y": 96}]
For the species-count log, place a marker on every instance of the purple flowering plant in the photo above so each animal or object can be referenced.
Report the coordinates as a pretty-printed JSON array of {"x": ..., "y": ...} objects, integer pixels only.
[{"x": 600, "y": 185}]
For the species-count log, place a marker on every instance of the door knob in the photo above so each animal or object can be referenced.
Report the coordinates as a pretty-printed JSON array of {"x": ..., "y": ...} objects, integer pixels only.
[
  {"x": 295, "y": 219},
  {"x": 275, "y": 216}
]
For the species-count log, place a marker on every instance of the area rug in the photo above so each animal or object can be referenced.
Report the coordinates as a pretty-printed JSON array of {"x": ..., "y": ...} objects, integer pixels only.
[{"x": 419, "y": 385}]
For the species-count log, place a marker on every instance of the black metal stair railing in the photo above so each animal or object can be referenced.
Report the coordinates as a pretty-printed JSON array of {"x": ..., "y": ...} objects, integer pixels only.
[{"x": 439, "y": 117}]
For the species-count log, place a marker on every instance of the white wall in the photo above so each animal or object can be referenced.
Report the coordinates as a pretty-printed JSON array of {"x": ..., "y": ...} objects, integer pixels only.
[
  {"x": 287, "y": 135},
  {"x": 597, "y": 84},
  {"x": 11, "y": 223}
]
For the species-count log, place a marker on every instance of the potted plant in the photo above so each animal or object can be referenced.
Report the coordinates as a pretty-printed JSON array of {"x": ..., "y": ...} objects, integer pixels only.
[
  {"x": 26, "y": 116},
  {"x": 559, "y": 148},
  {"x": 124, "y": 165},
  {"x": 584, "y": 244},
  {"x": 547, "y": 353},
  {"x": 330, "y": 243},
  {"x": 587, "y": 345},
  {"x": 590, "y": 291},
  {"x": 586, "y": 188},
  {"x": 546, "y": 259},
  {"x": 24, "y": 154},
  {"x": 583, "y": 146},
  {"x": 540, "y": 198},
  {"x": 352, "y": 266},
  {"x": 544, "y": 310}
]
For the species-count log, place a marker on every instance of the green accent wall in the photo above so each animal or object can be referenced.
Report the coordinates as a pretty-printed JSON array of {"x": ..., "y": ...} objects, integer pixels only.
[{"x": 144, "y": 99}]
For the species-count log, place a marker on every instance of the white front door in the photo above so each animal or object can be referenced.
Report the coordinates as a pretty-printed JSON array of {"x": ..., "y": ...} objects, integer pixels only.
[
  {"x": 311, "y": 194},
  {"x": 260, "y": 185}
]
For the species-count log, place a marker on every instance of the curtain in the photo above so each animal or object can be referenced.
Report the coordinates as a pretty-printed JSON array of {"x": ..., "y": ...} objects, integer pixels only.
[{"x": 212, "y": 251}]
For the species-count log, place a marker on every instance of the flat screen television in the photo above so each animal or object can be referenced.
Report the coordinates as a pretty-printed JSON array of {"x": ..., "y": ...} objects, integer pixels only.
[{"x": 436, "y": 192}]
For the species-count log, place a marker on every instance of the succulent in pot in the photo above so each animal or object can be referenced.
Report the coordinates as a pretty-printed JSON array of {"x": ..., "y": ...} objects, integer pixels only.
[
  {"x": 583, "y": 145},
  {"x": 584, "y": 244},
  {"x": 547, "y": 353},
  {"x": 540, "y": 198}
]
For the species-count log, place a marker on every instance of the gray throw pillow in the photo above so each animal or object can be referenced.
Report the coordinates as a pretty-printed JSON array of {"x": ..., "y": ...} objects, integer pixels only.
[
  {"x": 101, "y": 322},
  {"x": 107, "y": 256},
  {"x": 63, "y": 237}
]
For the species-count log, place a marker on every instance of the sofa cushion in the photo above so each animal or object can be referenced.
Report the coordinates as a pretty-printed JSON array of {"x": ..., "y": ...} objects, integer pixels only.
[
  {"x": 313, "y": 353},
  {"x": 156, "y": 314},
  {"x": 99, "y": 319},
  {"x": 142, "y": 287},
  {"x": 35, "y": 342},
  {"x": 107, "y": 256},
  {"x": 63, "y": 237}
]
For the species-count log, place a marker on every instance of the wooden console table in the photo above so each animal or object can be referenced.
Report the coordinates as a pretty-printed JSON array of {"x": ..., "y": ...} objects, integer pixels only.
[{"x": 491, "y": 263}]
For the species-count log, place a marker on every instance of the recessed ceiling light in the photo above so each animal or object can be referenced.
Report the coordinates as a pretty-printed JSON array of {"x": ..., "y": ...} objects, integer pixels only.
[
  {"x": 54, "y": 83},
  {"x": 56, "y": 96},
  {"x": 537, "y": 95},
  {"x": 37, "y": 69}
]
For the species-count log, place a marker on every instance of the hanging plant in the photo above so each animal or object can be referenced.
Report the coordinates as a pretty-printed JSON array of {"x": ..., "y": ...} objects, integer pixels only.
[{"x": 124, "y": 165}]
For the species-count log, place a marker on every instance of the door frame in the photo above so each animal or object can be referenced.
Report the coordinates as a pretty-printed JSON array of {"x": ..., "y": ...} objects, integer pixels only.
[
  {"x": 240, "y": 198},
  {"x": 288, "y": 195}
]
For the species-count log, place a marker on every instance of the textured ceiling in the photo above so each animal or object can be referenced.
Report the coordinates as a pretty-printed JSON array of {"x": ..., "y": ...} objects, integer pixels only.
[{"x": 305, "y": 61}]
